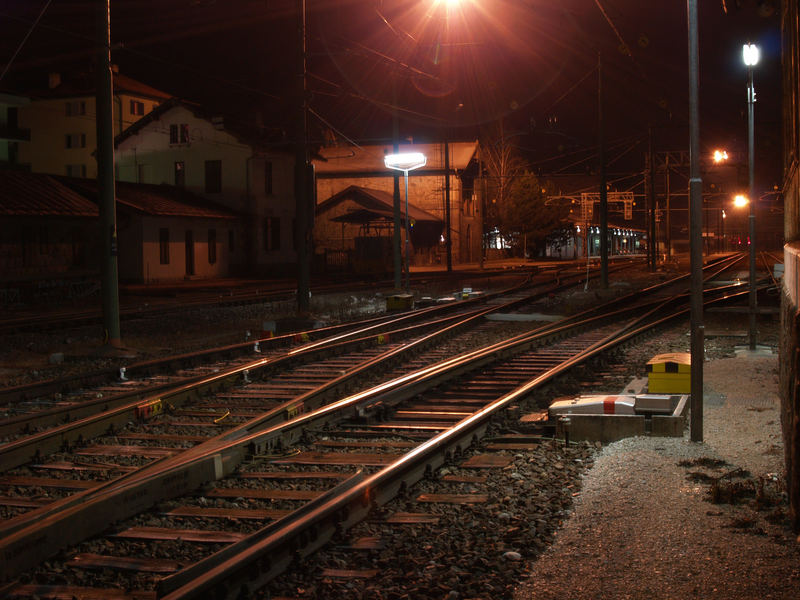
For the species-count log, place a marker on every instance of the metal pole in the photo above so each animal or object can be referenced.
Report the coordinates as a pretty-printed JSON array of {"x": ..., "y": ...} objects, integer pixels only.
[
  {"x": 695, "y": 223},
  {"x": 603, "y": 192},
  {"x": 105, "y": 177},
  {"x": 408, "y": 268},
  {"x": 651, "y": 195},
  {"x": 752, "y": 219},
  {"x": 668, "y": 222},
  {"x": 448, "y": 225},
  {"x": 302, "y": 195},
  {"x": 482, "y": 208},
  {"x": 397, "y": 260}
]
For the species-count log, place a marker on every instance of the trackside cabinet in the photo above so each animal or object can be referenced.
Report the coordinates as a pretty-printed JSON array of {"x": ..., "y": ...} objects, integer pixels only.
[{"x": 670, "y": 373}]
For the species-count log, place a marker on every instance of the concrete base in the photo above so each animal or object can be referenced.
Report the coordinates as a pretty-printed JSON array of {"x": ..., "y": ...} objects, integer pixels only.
[
  {"x": 759, "y": 351},
  {"x": 602, "y": 428},
  {"x": 606, "y": 428}
]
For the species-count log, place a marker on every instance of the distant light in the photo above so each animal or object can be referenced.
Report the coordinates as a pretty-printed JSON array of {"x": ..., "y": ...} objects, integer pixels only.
[
  {"x": 406, "y": 161},
  {"x": 577, "y": 229},
  {"x": 750, "y": 54},
  {"x": 723, "y": 213},
  {"x": 720, "y": 155},
  {"x": 740, "y": 200}
]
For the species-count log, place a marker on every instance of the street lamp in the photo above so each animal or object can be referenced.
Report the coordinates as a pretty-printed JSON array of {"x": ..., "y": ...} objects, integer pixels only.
[
  {"x": 740, "y": 200},
  {"x": 750, "y": 55},
  {"x": 405, "y": 162}
]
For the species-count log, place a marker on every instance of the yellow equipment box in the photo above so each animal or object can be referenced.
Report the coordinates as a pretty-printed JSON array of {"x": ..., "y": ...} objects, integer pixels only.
[{"x": 670, "y": 373}]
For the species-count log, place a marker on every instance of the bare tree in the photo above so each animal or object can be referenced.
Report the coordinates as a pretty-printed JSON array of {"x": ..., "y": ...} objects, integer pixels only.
[{"x": 503, "y": 166}]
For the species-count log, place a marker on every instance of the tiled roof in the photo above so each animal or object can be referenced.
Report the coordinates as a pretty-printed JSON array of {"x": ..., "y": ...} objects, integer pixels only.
[
  {"x": 255, "y": 137},
  {"x": 169, "y": 201},
  {"x": 369, "y": 159},
  {"x": 377, "y": 202},
  {"x": 155, "y": 200},
  {"x": 83, "y": 84},
  {"x": 34, "y": 194}
]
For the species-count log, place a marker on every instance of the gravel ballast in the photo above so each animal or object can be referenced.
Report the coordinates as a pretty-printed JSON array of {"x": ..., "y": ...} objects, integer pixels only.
[{"x": 645, "y": 525}]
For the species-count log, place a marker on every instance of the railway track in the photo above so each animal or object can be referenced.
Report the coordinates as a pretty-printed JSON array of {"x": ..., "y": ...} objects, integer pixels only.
[
  {"x": 289, "y": 381},
  {"x": 379, "y": 421},
  {"x": 28, "y": 408},
  {"x": 249, "y": 294}
]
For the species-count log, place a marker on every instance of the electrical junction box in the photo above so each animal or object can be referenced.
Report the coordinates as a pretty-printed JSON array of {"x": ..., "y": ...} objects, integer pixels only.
[
  {"x": 670, "y": 373},
  {"x": 400, "y": 302}
]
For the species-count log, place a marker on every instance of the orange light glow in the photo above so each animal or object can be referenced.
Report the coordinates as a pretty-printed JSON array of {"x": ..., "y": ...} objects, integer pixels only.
[
  {"x": 740, "y": 200},
  {"x": 720, "y": 156}
]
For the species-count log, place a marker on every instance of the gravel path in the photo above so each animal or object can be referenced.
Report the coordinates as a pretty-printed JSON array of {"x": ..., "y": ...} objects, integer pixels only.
[{"x": 645, "y": 526}]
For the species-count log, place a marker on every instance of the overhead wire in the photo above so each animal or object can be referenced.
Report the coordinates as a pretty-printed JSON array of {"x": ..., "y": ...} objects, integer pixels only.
[{"x": 25, "y": 39}]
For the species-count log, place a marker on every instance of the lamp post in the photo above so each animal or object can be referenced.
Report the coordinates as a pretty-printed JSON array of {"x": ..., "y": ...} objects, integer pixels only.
[
  {"x": 750, "y": 55},
  {"x": 405, "y": 162}
]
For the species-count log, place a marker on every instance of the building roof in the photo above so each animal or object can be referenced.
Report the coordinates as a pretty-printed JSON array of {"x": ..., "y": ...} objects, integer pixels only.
[
  {"x": 377, "y": 203},
  {"x": 83, "y": 84},
  {"x": 155, "y": 200},
  {"x": 34, "y": 194},
  {"x": 347, "y": 160},
  {"x": 376, "y": 207},
  {"x": 246, "y": 134}
]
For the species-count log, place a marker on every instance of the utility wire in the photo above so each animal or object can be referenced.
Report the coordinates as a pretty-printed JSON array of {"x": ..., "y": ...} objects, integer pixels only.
[
  {"x": 25, "y": 39},
  {"x": 626, "y": 49}
]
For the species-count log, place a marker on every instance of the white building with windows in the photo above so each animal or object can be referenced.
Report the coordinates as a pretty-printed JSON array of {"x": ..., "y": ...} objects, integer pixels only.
[
  {"x": 61, "y": 122},
  {"x": 229, "y": 163}
]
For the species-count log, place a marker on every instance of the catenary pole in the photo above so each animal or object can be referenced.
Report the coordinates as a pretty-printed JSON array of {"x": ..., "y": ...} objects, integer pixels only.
[
  {"x": 601, "y": 143},
  {"x": 751, "y": 295},
  {"x": 695, "y": 225},
  {"x": 303, "y": 208},
  {"x": 105, "y": 177}
]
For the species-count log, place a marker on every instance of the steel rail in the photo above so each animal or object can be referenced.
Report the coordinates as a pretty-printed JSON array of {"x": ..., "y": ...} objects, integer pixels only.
[
  {"x": 173, "y": 476},
  {"x": 245, "y": 566},
  {"x": 232, "y": 350},
  {"x": 250, "y": 295},
  {"x": 20, "y": 451},
  {"x": 122, "y": 408}
]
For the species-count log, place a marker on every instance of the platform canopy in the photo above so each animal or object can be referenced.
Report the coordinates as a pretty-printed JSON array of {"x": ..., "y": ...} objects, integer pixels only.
[{"x": 375, "y": 209}]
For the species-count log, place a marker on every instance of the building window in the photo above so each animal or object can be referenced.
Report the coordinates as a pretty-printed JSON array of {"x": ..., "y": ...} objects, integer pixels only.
[
  {"x": 137, "y": 108},
  {"x": 76, "y": 170},
  {"x": 180, "y": 173},
  {"x": 179, "y": 133},
  {"x": 231, "y": 244},
  {"x": 213, "y": 176},
  {"x": 268, "y": 178},
  {"x": 44, "y": 246},
  {"x": 272, "y": 234},
  {"x": 163, "y": 245},
  {"x": 75, "y": 108},
  {"x": 75, "y": 140},
  {"x": 212, "y": 246}
]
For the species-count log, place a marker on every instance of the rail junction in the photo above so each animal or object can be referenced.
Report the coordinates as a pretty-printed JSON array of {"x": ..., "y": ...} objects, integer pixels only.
[{"x": 253, "y": 456}]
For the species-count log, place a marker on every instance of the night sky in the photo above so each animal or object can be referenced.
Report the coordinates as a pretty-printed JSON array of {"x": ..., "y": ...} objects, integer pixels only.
[{"x": 452, "y": 70}]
